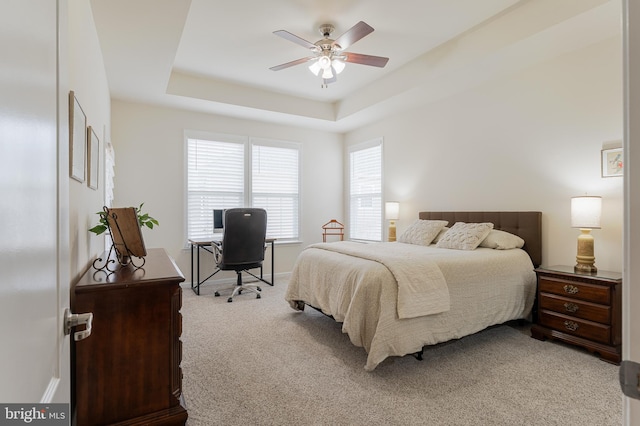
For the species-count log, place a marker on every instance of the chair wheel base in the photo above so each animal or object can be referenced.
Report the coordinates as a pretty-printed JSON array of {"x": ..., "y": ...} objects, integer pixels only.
[
  {"x": 258, "y": 288},
  {"x": 216, "y": 294},
  {"x": 258, "y": 296},
  {"x": 229, "y": 300}
]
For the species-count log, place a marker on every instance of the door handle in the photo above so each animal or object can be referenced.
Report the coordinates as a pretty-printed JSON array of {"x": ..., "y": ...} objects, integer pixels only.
[{"x": 74, "y": 320}]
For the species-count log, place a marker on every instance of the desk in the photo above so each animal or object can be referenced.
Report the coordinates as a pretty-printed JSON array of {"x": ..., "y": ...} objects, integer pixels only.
[{"x": 206, "y": 245}]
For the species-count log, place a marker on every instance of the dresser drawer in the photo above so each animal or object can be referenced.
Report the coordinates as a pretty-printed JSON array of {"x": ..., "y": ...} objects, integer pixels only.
[
  {"x": 575, "y": 308},
  {"x": 575, "y": 326},
  {"x": 575, "y": 290}
]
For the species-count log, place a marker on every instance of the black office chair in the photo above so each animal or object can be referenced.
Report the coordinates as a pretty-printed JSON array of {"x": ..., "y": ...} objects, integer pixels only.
[{"x": 242, "y": 247}]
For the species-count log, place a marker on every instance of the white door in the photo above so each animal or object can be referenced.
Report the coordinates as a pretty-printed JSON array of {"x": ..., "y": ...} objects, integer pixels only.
[
  {"x": 34, "y": 276},
  {"x": 631, "y": 278}
]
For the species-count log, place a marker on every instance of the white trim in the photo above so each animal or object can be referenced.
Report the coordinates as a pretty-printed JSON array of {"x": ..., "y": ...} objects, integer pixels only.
[{"x": 50, "y": 392}]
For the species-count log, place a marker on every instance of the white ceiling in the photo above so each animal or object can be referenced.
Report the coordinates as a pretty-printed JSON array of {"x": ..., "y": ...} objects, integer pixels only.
[{"x": 214, "y": 55}]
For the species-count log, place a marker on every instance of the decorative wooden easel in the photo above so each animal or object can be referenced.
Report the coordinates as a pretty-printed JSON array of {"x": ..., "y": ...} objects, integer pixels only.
[
  {"x": 333, "y": 227},
  {"x": 126, "y": 238}
]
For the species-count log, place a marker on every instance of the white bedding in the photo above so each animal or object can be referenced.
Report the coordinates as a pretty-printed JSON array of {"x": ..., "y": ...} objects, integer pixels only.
[
  {"x": 485, "y": 287},
  {"x": 422, "y": 289}
]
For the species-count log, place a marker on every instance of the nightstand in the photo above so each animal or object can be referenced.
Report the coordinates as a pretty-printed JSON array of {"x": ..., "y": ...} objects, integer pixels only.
[{"x": 580, "y": 309}]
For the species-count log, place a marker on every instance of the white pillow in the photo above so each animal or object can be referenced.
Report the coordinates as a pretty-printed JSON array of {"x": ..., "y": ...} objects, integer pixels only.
[
  {"x": 501, "y": 240},
  {"x": 465, "y": 236},
  {"x": 422, "y": 232},
  {"x": 440, "y": 234}
]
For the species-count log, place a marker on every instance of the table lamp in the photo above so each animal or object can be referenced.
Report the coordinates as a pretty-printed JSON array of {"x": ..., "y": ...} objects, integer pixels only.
[
  {"x": 391, "y": 213},
  {"x": 585, "y": 214}
]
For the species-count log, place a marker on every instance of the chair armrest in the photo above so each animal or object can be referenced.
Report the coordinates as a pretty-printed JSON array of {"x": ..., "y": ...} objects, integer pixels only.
[{"x": 217, "y": 251}]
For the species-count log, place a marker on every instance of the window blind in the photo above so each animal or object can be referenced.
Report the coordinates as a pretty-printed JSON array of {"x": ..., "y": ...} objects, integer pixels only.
[
  {"x": 365, "y": 192},
  {"x": 275, "y": 187},
  {"x": 238, "y": 172},
  {"x": 215, "y": 181}
]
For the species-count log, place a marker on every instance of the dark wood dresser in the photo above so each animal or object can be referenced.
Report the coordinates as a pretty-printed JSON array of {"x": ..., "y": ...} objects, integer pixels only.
[
  {"x": 127, "y": 372},
  {"x": 580, "y": 309}
]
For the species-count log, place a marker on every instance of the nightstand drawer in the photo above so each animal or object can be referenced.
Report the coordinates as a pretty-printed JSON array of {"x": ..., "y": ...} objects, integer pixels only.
[
  {"x": 575, "y": 308},
  {"x": 575, "y": 326},
  {"x": 575, "y": 290}
]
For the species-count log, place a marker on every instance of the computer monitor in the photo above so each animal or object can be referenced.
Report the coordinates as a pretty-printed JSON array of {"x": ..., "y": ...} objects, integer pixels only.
[{"x": 218, "y": 220}]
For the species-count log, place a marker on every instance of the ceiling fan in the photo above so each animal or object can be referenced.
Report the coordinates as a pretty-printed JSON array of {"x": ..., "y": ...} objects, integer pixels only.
[{"x": 328, "y": 56}]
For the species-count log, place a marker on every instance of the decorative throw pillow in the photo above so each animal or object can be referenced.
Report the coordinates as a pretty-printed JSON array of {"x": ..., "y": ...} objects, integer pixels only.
[
  {"x": 440, "y": 234},
  {"x": 422, "y": 232},
  {"x": 501, "y": 240},
  {"x": 465, "y": 236}
]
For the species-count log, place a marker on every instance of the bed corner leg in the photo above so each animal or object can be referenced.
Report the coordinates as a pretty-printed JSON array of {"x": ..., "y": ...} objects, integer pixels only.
[
  {"x": 300, "y": 305},
  {"x": 418, "y": 355}
]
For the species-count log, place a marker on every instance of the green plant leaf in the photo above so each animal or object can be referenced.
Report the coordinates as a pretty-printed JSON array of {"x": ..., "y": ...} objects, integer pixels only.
[
  {"x": 98, "y": 229},
  {"x": 143, "y": 219}
]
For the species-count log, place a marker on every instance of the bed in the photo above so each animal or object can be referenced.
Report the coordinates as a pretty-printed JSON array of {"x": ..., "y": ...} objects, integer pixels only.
[{"x": 392, "y": 311}]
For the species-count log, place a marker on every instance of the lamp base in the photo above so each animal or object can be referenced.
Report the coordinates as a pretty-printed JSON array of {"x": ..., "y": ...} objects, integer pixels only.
[
  {"x": 392, "y": 230},
  {"x": 585, "y": 261},
  {"x": 582, "y": 268}
]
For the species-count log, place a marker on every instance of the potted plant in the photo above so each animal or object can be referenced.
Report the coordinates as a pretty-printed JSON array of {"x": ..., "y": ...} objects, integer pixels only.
[{"x": 143, "y": 219}]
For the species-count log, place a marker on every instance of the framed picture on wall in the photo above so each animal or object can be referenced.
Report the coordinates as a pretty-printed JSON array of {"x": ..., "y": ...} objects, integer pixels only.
[
  {"x": 612, "y": 162},
  {"x": 77, "y": 139},
  {"x": 93, "y": 147}
]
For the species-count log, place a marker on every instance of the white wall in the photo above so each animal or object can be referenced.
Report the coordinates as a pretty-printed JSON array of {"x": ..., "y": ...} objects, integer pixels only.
[
  {"x": 87, "y": 78},
  {"x": 527, "y": 142},
  {"x": 149, "y": 150}
]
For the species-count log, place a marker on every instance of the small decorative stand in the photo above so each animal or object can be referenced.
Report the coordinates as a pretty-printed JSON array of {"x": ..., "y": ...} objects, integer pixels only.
[
  {"x": 126, "y": 238},
  {"x": 333, "y": 227}
]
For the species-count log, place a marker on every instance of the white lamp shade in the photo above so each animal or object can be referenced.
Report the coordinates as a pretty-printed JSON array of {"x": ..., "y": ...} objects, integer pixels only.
[
  {"x": 392, "y": 210},
  {"x": 324, "y": 62},
  {"x": 315, "y": 67},
  {"x": 338, "y": 65},
  {"x": 586, "y": 212}
]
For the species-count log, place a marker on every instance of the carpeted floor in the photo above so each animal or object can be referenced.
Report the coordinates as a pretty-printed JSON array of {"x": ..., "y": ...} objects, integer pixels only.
[{"x": 258, "y": 362}]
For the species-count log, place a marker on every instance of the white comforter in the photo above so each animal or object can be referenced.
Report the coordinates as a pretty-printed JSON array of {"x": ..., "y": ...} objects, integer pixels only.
[
  {"x": 422, "y": 289},
  {"x": 485, "y": 287}
]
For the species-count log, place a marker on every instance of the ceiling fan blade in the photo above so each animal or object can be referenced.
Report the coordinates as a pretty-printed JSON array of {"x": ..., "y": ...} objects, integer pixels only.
[
  {"x": 354, "y": 34},
  {"x": 294, "y": 38},
  {"x": 290, "y": 64},
  {"x": 359, "y": 58}
]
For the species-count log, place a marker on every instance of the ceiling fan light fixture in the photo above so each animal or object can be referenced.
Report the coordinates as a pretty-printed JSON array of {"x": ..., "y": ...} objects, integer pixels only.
[
  {"x": 327, "y": 73},
  {"x": 325, "y": 62},
  {"x": 315, "y": 67},
  {"x": 338, "y": 65}
]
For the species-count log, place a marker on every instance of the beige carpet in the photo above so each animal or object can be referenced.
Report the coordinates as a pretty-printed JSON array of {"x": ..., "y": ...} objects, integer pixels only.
[{"x": 258, "y": 362}]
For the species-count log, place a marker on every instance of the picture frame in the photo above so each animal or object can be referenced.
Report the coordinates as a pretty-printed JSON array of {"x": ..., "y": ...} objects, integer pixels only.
[
  {"x": 77, "y": 139},
  {"x": 612, "y": 162},
  {"x": 93, "y": 155}
]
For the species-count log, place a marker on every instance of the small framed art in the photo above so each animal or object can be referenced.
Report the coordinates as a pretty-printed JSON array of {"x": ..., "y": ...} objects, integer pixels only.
[
  {"x": 612, "y": 162},
  {"x": 93, "y": 147},
  {"x": 77, "y": 139}
]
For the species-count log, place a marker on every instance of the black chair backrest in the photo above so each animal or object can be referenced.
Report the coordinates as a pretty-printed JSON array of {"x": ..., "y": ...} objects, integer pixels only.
[{"x": 244, "y": 236}]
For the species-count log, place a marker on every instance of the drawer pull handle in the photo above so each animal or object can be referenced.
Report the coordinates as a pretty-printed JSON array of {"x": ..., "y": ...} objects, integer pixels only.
[
  {"x": 571, "y": 325},
  {"x": 571, "y": 289},
  {"x": 571, "y": 307}
]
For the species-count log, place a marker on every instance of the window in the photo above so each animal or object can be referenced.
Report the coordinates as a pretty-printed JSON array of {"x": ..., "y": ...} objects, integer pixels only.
[
  {"x": 226, "y": 171},
  {"x": 365, "y": 191},
  {"x": 275, "y": 186}
]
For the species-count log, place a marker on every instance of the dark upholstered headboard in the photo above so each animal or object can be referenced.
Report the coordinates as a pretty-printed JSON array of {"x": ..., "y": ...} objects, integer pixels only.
[{"x": 526, "y": 225}]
